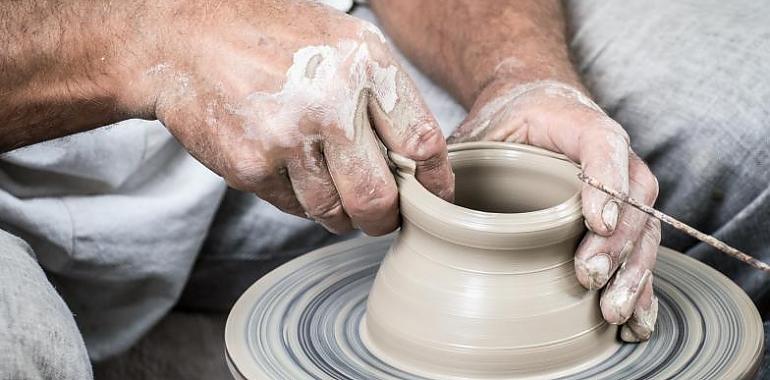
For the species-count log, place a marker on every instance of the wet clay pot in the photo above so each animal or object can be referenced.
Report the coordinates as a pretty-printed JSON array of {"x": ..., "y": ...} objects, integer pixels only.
[{"x": 486, "y": 287}]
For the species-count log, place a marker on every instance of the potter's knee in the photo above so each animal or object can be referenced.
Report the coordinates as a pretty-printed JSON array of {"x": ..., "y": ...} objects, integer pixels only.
[
  {"x": 38, "y": 335},
  {"x": 41, "y": 350}
]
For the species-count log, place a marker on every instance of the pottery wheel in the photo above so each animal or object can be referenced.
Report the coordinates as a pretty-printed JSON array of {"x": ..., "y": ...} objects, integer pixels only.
[{"x": 302, "y": 321}]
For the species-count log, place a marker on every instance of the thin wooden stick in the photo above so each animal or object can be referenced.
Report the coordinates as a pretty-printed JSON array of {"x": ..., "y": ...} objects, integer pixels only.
[{"x": 708, "y": 239}]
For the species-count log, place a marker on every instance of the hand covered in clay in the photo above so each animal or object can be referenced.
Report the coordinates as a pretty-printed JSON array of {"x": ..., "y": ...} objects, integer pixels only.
[
  {"x": 620, "y": 248},
  {"x": 287, "y": 100}
]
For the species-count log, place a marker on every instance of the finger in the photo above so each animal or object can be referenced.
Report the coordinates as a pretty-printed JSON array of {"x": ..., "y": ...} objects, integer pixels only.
[
  {"x": 642, "y": 323},
  {"x": 600, "y": 145},
  {"x": 315, "y": 191},
  {"x": 406, "y": 126},
  {"x": 363, "y": 180},
  {"x": 598, "y": 256},
  {"x": 254, "y": 173},
  {"x": 622, "y": 295},
  {"x": 604, "y": 155},
  {"x": 273, "y": 187},
  {"x": 478, "y": 125}
]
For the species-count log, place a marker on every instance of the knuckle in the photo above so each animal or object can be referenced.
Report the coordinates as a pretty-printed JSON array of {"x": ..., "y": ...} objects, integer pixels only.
[
  {"x": 609, "y": 125},
  {"x": 598, "y": 121},
  {"x": 364, "y": 26},
  {"x": 248, "y": 173},
  {"x": 326, "y": 210},
  {"x": 372, "y": 203},
  {"x": 621, "y": 136},
  {"x": 647, "y": 181},
  {"x": 425, "y": 141},
  {"x": 285, "y": 203}
]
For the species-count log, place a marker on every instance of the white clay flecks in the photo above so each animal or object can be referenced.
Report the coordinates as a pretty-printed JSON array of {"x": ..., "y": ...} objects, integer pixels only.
[
  {"x": 628, "y": 246},
  {"x": 598, "y": 270},
  {"x": 619, "y": 158},
  {"x": 642, "y": 324},
  {"x": 211, "y": 116},
  {"x": 182, "y": 82},
  {"x": 481, "y": 121},
  {"x": 619, "y": 300},
  {"x": 158, "y": 69},
  {"x": 323, "y": 86},
  {"x": 610, "y": 214},
  {"x": 561, "y": 89},
  {"x": 384, "y": 86},
  {"x": 508, "y": 65}
]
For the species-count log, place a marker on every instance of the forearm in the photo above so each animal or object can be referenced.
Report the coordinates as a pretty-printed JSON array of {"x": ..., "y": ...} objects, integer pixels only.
[
  {"x": 466, "y": 44},
  {"x": 58, "y": 61}
]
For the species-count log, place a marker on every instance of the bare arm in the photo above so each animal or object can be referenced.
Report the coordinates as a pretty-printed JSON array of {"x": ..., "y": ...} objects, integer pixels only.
[
  {"x": 466, "y": 44},
  {"x": 269, "y": 94},
  {"x": 507, "y": 61},
  {"x": 57, "y": 64}
]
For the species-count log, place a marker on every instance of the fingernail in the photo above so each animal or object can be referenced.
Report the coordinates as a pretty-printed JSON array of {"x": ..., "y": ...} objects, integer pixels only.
[
  {"x": 610, "y": 215},
  {"x": 588, "y": 226},
  {"x": 598, "y": 268},
  {"x": 628, "y": 335}
]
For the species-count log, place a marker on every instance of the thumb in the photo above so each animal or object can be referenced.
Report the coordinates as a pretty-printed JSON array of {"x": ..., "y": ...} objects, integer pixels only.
[{"x": 407, "y": 127}]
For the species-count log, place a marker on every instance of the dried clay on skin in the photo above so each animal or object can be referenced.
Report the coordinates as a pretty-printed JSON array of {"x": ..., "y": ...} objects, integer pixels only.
[
  {"x": 182, "y": 82},
  {"x": 324, "y": 81},
  {"x": 483, "y": 118},
  {"x": 620, "y": 299}
]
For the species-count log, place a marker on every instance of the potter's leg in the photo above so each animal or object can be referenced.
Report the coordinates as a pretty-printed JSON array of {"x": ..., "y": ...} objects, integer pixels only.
[
  {"x": 688, "y": 80},
  {"x": 38, "y": 336},
  {"x": 248, "y": 238}
]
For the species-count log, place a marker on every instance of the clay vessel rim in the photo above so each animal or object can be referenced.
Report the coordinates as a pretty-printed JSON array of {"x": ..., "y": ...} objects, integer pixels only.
[{"x": 451, "y": 215}]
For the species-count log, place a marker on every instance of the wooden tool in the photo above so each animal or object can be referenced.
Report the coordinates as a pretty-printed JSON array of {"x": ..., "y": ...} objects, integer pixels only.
[{"x": 679, "y": 225}]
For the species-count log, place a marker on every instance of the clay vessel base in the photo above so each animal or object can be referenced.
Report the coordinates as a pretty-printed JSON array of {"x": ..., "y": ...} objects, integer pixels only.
[{"x": 302, "y": 321}]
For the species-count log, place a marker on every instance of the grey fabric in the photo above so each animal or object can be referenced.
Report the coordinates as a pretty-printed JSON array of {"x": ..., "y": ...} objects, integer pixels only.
[
  {"x": 38, "y": 336},
  {"x": 248, "y": 238},
  {"x": 689, "y": 82},
  {"x": 116, "y": 216}
]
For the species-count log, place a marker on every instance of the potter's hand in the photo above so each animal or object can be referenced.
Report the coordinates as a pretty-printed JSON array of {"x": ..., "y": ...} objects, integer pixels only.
[
  {"x": 621, "y": 241},
  {"x": 285, "y": 100}
]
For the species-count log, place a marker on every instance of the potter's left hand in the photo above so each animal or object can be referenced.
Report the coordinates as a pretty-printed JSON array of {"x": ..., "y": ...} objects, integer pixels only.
[{"x": 622, "y": 241}]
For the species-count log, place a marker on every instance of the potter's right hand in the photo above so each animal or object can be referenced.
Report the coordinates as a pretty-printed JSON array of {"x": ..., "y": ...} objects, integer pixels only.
[
  {"x": 286, "y": 99},
  {"x": 622, "y": 243}
]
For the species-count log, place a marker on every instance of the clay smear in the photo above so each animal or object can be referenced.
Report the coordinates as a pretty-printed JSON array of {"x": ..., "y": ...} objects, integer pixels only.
[
  {"x": 324, "y": 83},
  {"x": 484, "y": 118},
  {"x": 182, "y": 82}
]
